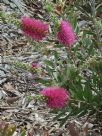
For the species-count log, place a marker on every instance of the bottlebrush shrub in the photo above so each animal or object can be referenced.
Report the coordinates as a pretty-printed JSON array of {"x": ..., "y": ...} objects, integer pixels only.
[
  {"x": 84, "y": 85},
  {"x": 80, "y": 70},
  {"x": 75, "y": 70},
  {"x": 80, "y": 74}
]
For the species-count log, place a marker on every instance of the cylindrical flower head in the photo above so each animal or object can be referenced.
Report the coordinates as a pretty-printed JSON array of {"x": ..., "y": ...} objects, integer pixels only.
[
  {"x": 56, "y": 97},
  {"x": 33, "y": 28},
  {"x": 66, "y": 34},
  {"x": 35, "y": 65}
]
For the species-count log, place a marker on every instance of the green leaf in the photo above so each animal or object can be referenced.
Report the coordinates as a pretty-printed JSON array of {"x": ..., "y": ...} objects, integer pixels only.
[
  {"x": 88, "y": 92},
  {"x": 62, "y": 113},
  {"x": 66, "y": 118},
  {"x": 49, "y": 63},
  {"x": 82, "y": 113}
]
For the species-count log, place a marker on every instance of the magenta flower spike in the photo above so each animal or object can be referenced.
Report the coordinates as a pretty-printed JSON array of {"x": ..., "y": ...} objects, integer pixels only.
[
  {"x": 35, "y": 65},
  {"x": 56, "y": 97},
  {"x": 66, "y": 34},
  {"x": 33, "y": 28}
]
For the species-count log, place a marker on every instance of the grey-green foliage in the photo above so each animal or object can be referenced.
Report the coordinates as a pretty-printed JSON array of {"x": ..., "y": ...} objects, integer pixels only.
[
  {"x": 9, "y": 18},
  {"x": 81, "y": 71}
]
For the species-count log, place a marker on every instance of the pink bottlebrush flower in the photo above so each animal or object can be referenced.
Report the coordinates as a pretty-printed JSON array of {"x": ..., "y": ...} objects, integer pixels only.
[
  {"x": 56, "y": 97},
  {"x": 33, "y": 28},
  {"x": 35, "y": 65},
  {"x": 66, "y": 35}
]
